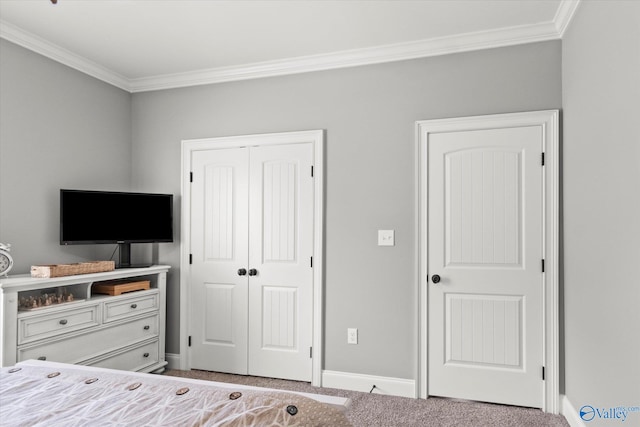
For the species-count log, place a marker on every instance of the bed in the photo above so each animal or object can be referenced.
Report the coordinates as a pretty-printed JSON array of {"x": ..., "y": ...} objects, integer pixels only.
[{"x": 41, "y": 393}]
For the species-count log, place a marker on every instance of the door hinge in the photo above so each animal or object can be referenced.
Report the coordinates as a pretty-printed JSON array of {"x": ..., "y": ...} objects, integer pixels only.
[
  {"x": 543, "y": 159},
  {"x": 190, "y": 258},
  {"x": 543, "y": 265},
  {"x": 311, "y": 262},
  {"x": 311, "y": 171},
  {"x": 189, "y": 340},
  {"x": 543, "y": 373},
  {"x": 190, "y": 176},
  {"x": 310, "y": 352}
]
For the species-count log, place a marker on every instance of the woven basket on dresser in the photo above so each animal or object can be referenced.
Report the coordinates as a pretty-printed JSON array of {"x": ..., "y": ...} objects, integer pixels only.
[{"x": 59, "y": 270}]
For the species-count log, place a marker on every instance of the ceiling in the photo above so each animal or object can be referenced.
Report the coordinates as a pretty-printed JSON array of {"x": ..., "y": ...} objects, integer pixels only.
[{"x": 141, "y": 45}]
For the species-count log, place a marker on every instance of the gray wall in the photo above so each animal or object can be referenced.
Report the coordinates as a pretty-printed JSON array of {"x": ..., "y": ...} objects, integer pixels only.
[
  {"x": 59, "y": 128},
  {"x": 63, "y": 129},
  {"x": 369, "y": 115},
  {"x": 601, "y": 98}
]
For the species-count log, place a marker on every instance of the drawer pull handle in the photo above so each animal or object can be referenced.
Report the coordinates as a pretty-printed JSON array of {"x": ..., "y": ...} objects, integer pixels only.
[
  {"x": 63, "y": 321},
  {"x": 146, "y": 327},
  {"x": 146, "y": 355},
  {"x": 134, "y": 305},
  {"x": 42, "y": 358}
]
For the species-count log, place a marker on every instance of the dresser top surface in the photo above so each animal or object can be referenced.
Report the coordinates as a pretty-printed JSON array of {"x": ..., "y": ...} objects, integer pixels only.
[{"x": 19, "y": 281}]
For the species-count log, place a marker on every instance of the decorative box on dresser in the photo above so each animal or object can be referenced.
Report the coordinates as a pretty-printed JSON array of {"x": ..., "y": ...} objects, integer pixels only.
[{"x": 124, "y": 331}]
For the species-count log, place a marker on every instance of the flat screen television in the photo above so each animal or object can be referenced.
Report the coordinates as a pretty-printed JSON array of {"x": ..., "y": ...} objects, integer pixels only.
[{"x": 103, "y": 217}]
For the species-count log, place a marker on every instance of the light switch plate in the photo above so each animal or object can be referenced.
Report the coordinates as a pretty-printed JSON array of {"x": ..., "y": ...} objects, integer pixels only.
[{"x": 386, "y": 238}]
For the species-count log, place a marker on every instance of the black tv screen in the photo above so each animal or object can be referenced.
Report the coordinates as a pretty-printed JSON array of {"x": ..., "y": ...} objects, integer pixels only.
[{"x": 88, "y": 217}]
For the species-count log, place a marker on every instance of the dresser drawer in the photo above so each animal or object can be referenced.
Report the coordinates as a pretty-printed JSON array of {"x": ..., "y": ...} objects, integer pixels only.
[
  {"x": 93, "y": 343},
  {"x": 130, "y": 306},
  {"x": 33, "y": 327},
  {"x": 134, "y": 359}
]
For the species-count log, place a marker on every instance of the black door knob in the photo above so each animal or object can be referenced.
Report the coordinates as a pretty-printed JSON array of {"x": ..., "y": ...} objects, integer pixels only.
[
  {"x": 242, "y": 272},
  {"x": 435, "y": 278},
  {"x": 253, "y": 272}
]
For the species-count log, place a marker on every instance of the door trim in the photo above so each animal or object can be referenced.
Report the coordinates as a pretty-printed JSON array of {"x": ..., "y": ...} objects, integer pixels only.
[
  {"x": 189, "y": 146},
  {"x": 548, "y": 120}
]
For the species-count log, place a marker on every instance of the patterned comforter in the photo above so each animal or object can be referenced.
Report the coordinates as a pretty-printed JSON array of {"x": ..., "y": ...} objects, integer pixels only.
[{"x": 41, "y": 394}]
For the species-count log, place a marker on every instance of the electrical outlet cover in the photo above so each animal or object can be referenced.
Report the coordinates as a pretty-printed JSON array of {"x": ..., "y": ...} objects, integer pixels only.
[{"x": 352, "y": 336}]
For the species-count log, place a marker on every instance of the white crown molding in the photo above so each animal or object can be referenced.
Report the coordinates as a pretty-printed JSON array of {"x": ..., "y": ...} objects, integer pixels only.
[
  {"x": 353, "y": 58},
  {"x": 343, "y": 59},
  {"x": 39, "y": 45},
  {"x": 564, "y": 15}
]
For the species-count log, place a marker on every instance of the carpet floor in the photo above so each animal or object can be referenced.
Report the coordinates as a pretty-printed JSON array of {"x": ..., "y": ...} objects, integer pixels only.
[{"x": 371, "y": 409}]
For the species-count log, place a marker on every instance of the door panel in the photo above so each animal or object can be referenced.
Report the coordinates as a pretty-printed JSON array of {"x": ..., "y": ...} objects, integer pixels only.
[
  {"x": 279, "y": 202},
  {"x": 219, "y": 239},
  {"x": 483, "y": 207},
  {"x": 281, "y": 246},
  {"x": 279, "y": 307},
  {"x": 485, "y": 241},
  {"x": 483, "y": 329},
  {"x": 218, "y": 321}
]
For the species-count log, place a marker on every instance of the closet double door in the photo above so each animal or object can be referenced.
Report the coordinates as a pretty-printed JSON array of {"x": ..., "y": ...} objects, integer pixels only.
[{"x": 251, "y": 277}]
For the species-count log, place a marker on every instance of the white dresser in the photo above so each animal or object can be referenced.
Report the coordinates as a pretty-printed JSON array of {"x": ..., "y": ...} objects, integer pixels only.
[{"x": 124, "y": 332}]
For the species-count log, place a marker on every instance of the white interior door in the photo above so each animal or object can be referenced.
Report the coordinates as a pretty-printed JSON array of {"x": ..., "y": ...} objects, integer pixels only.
[
  {"x": 485, "y": 245},
  {"x": 251, "y": 274},
  {"x": 280, "y": 251},
  {"x": 219, "y": 248}
]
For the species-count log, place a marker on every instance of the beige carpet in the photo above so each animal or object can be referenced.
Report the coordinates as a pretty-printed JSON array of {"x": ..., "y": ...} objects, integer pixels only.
[{"x": 368, "y": 410}]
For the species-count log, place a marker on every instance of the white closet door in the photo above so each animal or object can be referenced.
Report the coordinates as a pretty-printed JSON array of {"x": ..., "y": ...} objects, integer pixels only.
[
  {"x": 485, "y": 235},
  {"x": 280, "y": 250},
  {"x": 219, "y": 247},
  {"x": 252, "y": 210}
]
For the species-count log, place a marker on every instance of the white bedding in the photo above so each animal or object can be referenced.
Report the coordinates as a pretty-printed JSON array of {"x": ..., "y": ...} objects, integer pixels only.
[{"x": 36, "y": 393}]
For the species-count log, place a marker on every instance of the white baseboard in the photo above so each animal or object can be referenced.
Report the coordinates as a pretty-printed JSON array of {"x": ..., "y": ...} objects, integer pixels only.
[
  {"x": 345, "y": 381},
  {"x": 173, "y": 360},
  {"x": 570, "y": 413},
  {"x": 360, "y": 382}
]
